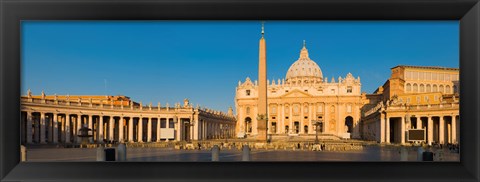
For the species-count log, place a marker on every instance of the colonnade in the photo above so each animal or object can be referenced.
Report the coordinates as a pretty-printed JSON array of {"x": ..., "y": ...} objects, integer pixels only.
[
  {"x": 439, "y": 128},
  {"x": 44, "y": 127}
]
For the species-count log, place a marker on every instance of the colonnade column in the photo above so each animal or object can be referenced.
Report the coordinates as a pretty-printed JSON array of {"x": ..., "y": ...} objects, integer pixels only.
[
  {"x": 196, "y": 128},
  {"x": 29, "y": 127},
  {"x": 67, "y": 128},
  {"x": 121, "y": 124},
  {"x": 387, "y": 130},
  {"x": 111, "y": 124},
  {"x": 140, "y": 130},
  {"x": 178, "y": 127},
  {"x": 454, "y": 129},
  {"x": 100, "y": 130},
  {"x": 48, "y": 122},
  {"x": 430, "y": 130},
  {"x": 441, "y": 130},
  {"x": 42, "y": 128},
  {"x": 402, "y": 130},
  {"x": 130, "y": 130},
  {"x": 158, "y": 129},
  {"x": 90, "y": 125},
  {"x": 382, "y": 128},
  {"x": 419, "y": 122},
  {"x": 62, "y": 129},
  {"x": 149, "y": 130},
  {"x": 79, "y": 125},
  {"x": 55, "y": 128}
]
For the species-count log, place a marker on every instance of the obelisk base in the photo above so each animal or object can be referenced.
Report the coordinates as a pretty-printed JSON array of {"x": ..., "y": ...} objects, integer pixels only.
[{"x": 262, "y": 130}]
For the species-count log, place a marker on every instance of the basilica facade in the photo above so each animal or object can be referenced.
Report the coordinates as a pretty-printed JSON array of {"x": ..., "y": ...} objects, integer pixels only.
[
  {"x": 303, "y": 102},
  {"x": 415, "y": 99}
]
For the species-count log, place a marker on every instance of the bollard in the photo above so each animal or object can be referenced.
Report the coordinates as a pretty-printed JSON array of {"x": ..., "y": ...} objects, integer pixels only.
[
  {"x": 122, "y": 152},
  {"x": 215, "y": 153},
  {"x": 420, "y": 153},
  {"x": 100, "y": 153},
  {"x": 109, "y": 154},
  {"x": 403, "y": 154},
  {"x": 23, "y": 151},
  {"x": 246, "y": 153},
  {"x": 427, "y": 156}
]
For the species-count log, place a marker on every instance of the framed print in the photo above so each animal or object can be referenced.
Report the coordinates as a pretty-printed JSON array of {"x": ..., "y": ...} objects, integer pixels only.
[{"x": 239, "y": 90}]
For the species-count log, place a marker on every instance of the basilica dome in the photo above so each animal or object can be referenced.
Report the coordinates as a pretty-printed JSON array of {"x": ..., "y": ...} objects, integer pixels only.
[{"x": 304, "y": 69}]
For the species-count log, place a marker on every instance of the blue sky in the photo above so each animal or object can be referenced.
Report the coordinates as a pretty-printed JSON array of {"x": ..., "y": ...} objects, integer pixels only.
[{"x": 167, "y": 61}]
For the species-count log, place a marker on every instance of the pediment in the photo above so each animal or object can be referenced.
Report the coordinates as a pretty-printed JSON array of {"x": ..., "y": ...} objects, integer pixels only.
[{"x": 296, "y": 93}]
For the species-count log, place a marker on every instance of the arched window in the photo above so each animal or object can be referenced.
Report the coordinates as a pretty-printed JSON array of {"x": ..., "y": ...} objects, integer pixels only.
[
  {"x": 435, "y": 89},
  {"x": 415, "y": 88},
  {"x": 332, "y": 108},
  {"x": 440, "y": 89},
  {"x": 305, "y": 109},
  {"x": 408, "y": 87},
  {"x": 447, "y": 89},
  {"x": 286, "y": 109},
  {"x": 248, "y": 110},
  {"x": 274, "y": 109},
  {"x": 422, "y": 88},
  {"x": 429, "y": 88}
]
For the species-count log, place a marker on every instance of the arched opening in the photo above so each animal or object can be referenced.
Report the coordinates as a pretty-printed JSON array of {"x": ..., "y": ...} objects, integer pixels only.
[
  {"x": 248, "y": 125},
  {"x": 349, "y": 124},
  {"x": 415, "y": 88},
  {"x": 286, "y": 129},
  {"x": 429, "y": 88},
  {"x": 409, "y": 87},
  {"x": 305, "y": 128}
]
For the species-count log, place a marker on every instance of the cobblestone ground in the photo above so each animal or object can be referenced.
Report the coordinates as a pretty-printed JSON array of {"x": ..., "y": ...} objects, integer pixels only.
[{"x": 371, "y": 153}]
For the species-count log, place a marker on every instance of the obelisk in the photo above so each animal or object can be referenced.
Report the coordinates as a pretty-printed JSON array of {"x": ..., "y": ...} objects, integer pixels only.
[{"x": 262, "y": 90}]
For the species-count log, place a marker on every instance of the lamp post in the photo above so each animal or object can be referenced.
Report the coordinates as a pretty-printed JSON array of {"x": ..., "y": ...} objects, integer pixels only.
[
  {"x": 317, "y": 123},
  {"x": 225, "y": 129}
]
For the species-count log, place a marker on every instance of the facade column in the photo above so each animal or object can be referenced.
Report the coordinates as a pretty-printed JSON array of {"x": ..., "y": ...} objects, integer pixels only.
[
  {"x": 430, "y": 130},
  {"x": 149, "y": 130},
  {"x": 90, "y": 125},
  {"x": 454, "y": 129},
  {"x": 42, "y": 127},
  {"x": 130, "y": 130},
  {"x": 67, "y": 128},
  {"x": 140, "y": 130},
  {"x": 387, "y": 130},
  {"x": 29, "y": 128},
  {"x": 158, "y": 129},
  {"x": 441, "y": 129},
  {"x": 419, "y": 122},
  {"x": 402, "y": 130},
  {"x": 382, "y": 128},
  {"x": 290, "y": 118},
  {"x": 55, "y": 128},
  {"x": 100, "y": 130},
  {"x": 121, "y": 125},
  {"x": 111, "y": 125}
]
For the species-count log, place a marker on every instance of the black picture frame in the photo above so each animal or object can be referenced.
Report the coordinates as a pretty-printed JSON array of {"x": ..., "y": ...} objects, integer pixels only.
[{"x": 12, "y": 12}]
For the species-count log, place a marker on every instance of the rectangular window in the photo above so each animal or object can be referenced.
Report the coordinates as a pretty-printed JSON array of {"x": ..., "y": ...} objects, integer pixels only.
[
  {"x": 163, "y": 124},
  {"x": 306, "y": 117},
  {"x": 171, "y": 124},
  {"x": 332, "y": 91},
  {"x": 349, "y": 89},
  {"x": 248, "y": 92},
  {"x": 286, "y": 117}
]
